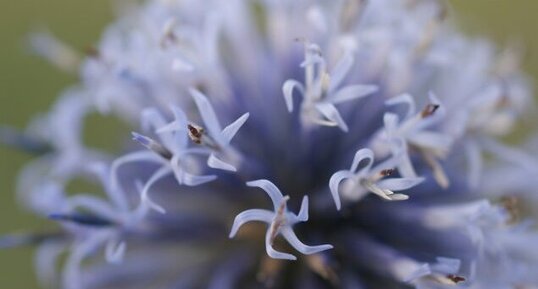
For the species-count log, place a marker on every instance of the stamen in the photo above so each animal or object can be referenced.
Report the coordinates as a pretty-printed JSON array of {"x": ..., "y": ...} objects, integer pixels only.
[
  {"x": 279, "y": 220},
  {"x": 387, "y": 172},
  {"x": 429, "y": 110},
  {"x": 455, "y": 278},
  {"x": 153, "y": 145},
  {"x": 195, "y": 133}
]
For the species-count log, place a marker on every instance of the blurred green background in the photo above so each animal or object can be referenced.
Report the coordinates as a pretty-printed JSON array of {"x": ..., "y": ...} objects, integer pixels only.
[{"x": 28, "y": 85}]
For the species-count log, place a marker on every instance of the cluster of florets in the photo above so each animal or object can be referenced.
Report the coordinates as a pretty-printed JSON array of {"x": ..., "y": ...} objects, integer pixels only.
[{"x": 306, "y": 87}]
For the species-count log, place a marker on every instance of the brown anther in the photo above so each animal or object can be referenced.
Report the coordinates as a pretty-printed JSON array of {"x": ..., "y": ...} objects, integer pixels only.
[
  {"x": 387, "y": 172},
  {"x": 429, "y": 110},
  {"x": 279, "y": 220},
  {"x": 455, "y": 278},
  {"x": 195, "y": 133}
]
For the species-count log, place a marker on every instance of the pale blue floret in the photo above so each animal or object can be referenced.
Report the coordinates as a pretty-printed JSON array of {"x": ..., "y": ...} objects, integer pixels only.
[
  {"x": 368, "y": 179},
  {"x": 170, "y": 153},
  {"x": 399, "y": 136},
  {"x": 217, "y": 138},
  {"x": 116, "y": 210},
  {"x": 322, "y": 91},
  {"x": 280, "y": 221},
  {"x": 157, "y": 53}
]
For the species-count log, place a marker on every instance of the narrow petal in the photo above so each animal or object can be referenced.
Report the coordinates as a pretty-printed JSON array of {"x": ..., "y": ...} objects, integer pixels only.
[
  {"x": 290, "y": 236},
  {"x": 334, "y": 183},
  {"x": 288, "y": 88},
  {"x": 152, "y": 119},
  {"x": 399, "y": 184},
  {"x": 432, "y": 140},
  {"x": 274, "y": 253},
  {"x": 145, "y": 200},
  {"x": 231, "y": 130},
  {"x": 474, "y": 162},
  {"x": 116, "y": 194},
  {"x": 249, "y": 216},
  {"x": 303, "y": 212},
  {"x": 114, "y": 252},
  {"x": 405, "y": 167},
  {"x": 361, "y": 155},
  {"x": 330, "y": 112},
  {"x": 216, "y": 163},
  {"x": 185, "y": 178},
  {"x": 274, "y": 193},
  {"x": 341, "y": 69},
  {"x": 390, "y": 120},
  {"x": 194, "y": 180},
  {"x": 206, "y": 112},
  {"x": 351, "y": 92},
  {"x": 406, "y": 99}
]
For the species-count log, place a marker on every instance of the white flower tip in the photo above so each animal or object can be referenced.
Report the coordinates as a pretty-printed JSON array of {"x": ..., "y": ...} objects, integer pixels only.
[
  {"x": 303, "y": 212},
  {"x": 398, "y": 197},
  {"x": 216, "y": 163}
]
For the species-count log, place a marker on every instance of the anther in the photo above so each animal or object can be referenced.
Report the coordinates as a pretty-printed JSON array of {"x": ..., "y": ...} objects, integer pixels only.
[
  {"x": 387, "y": 172},
  {"x": 455, "y": 278},
  {"x": 429, "y": 110},
  {"x": 195, "y": 133}
]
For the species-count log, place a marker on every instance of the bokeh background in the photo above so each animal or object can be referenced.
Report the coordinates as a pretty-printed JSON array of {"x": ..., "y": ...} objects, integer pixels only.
[{"x": 29, "y": 85}]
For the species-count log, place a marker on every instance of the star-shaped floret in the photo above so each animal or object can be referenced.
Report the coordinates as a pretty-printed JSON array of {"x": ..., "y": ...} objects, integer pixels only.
[
  {"x": 216, "y": 138},
  {"x": 368, "y": 179},
  {"x": 399, "y": 137},
  {"x": 322, "y": 91},
  {"x": 170, "y": 151},
  {"x": 280, "y": 221}
]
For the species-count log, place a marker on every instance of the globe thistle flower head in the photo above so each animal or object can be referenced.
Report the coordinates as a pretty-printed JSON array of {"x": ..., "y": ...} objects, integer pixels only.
[{"x": 381, "y": 123}]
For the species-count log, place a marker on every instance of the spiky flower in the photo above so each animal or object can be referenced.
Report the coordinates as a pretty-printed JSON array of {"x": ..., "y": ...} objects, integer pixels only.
[{"x": 306, "y": 87}]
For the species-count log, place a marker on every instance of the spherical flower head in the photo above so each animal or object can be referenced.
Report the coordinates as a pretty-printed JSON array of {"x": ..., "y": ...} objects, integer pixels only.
[{"x": 378, "y": 120}]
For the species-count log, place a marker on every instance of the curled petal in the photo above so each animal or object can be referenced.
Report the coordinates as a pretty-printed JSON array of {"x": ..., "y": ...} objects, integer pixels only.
[
  {"x": 216, "y": 163},
  {"x": 231, "y": 130},
  {"x": 334, "y": 183},
  {"x": 274, "y": 253},
  {"x": 274, "y": 193},
  {"x": 331, "y": 113},
  {"x": 249, "y": 216},
  {"x": 360, "y": 155},
  {"x": 287, "y": 90},
  {"x": 399, "y": 184},
  {"x": 290, "y": 236},
  {"x": 406, "y": 99},
  {"x": 145, "y": 200}
]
